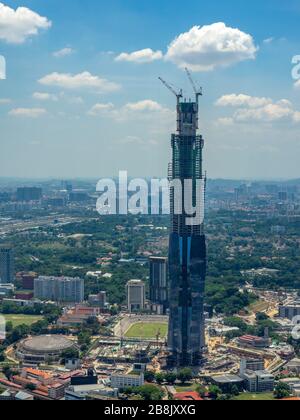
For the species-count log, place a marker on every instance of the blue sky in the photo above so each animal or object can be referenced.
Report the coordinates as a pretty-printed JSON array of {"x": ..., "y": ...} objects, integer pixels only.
[{"x": 111, "y": 113}]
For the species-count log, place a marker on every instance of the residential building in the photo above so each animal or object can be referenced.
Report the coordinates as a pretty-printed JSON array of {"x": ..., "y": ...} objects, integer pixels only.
[{"x": 59, "y": 289}]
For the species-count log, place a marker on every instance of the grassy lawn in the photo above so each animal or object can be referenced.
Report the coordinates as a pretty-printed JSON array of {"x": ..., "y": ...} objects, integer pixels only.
[
  {"x": 254, "y": 397},
  {"x": 22, "y": 319},
  {"x": 146, "y": 331}
]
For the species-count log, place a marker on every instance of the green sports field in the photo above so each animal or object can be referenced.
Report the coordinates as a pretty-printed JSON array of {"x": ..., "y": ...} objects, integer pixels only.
[
  {"x": 254, "y": 397},
  {"x": 147, "y": 330},
  {"x": 22, "y": 319}
]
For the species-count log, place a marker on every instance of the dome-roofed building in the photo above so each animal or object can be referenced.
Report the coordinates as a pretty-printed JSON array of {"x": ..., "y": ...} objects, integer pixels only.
[{"x": 42, "y": 349}]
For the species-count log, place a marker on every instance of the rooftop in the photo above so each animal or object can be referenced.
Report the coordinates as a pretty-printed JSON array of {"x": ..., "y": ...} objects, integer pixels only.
[
  {"x": 187, "y": 396},
  {"x": 224, "y": 379},
  {"x": 47, "y": 343}
]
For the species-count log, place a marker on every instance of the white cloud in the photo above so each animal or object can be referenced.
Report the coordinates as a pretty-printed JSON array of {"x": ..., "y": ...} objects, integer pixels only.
[
  {"x": 242, "y": 100},
  {"x": 4, "y": 101},
  {"x": 146, "y": 105},
  {"x": 208, "y": 47},
  {"x": 99, "y": 109},
  {"x": 43, "y": 96},
  {"x": 228, "y": 121},
  {"x": 83, "y": 80},
  {"x": 63, "y": 52},
  {"x": 256, "y": 109},
  {"x": 143, "y": 56},
  {"x": 296, "y": 117},
  {"x": 75, "y": 100},
  {"x": 141, "y": 110},
  {"x": 18, "y": 25},
  {"x": 28, "y": 112},
  {"x": 268, "y": 113},
  {"x": 268, "y": 40},
  {"x": 297, "y": 84}
]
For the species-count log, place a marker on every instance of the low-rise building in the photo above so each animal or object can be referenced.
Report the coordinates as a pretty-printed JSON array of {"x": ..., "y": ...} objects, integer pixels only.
[
  {"x": 81, "y": 392},
  {"x": 6, "y": 290},
  {"x": 78, "y": 315},
  {"x": 294, "y": 366},
  {"x": 226, "y": 382},
  {"x": 290, "y": 311},
  {"x": 126, "y": 381},
  {"x": 259, "y": 381},
  {"x": 253, "y": 341},
  {"x": 99, "y": 300}
]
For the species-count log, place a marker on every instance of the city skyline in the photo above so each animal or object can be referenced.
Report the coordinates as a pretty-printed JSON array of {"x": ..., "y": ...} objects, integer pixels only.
[{"x": 91, "y": 106}]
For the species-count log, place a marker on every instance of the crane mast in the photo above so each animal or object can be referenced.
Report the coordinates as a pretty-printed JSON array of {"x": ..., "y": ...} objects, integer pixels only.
[{"x": 198, "y": 92}]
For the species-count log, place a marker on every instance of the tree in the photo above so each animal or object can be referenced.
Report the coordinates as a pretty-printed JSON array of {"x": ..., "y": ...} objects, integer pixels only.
[
  {"x": 160, "y": 378},
  {"x": 235, "y": 391},
  {"x": 282, "y": 391},
  {"x": 201, "y": 390},
  {"x": 149, "y": 376},
  {"x": 70, "y": 354},
  {"x": 170, "y": 378},
  {"x": 149, "y": 392},
  {"x": 261, "y": 317},
  {"x": 185, "y": 375},
  {"x": 214, "y": 392}
]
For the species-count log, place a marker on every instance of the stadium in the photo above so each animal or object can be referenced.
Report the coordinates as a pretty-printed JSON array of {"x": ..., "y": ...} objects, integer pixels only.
[{"x": 43, "y": 349}]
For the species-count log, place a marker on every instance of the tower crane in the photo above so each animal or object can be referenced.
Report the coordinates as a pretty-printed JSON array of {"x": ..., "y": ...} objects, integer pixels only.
[
  {"x": 178, "y": 95},
  {"x": 198, "y": 92}
]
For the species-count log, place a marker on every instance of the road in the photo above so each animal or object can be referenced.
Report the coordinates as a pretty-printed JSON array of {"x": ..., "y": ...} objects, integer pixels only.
[{"x": 15, "y": 226}]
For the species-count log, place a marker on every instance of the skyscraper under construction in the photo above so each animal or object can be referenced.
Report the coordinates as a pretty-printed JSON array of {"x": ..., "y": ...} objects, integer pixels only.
[{"x": 187, "y": 247}]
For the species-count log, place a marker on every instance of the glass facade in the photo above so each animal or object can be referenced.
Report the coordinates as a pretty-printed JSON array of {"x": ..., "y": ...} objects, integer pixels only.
[{"x": 187, "y": 247}]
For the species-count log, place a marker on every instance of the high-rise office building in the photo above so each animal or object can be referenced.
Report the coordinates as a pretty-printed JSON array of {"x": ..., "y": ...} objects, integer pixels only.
[
  {"x": 135, "y": 296},
  {"x": 159, "y": 284},
  {"x": 6, "y": 265},
  {"x": 59, "y": 289},
  {"x": 187, "y": 247}
]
